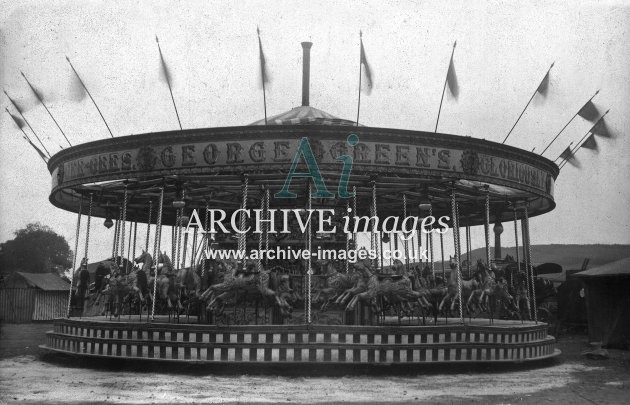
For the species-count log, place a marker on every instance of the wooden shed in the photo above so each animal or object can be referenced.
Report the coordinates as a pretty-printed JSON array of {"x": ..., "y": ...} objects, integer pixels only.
[
  {"x": 27, "y": 297},
  {"x": 608, "y": 303}
]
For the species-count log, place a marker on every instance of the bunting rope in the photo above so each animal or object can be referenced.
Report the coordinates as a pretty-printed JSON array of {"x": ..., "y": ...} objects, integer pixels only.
[{"x": 74, "y": 255}]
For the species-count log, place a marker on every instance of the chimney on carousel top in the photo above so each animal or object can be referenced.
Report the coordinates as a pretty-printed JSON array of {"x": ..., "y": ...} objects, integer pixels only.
[{"x": 306, "y": 71}]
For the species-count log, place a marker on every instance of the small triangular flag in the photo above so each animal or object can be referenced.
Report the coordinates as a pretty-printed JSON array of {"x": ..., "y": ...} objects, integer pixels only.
[{"x": 589, "y": 111}]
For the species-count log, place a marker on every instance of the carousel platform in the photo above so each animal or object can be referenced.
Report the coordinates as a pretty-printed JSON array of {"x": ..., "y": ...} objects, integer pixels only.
[{"x": 448, "y": 341}]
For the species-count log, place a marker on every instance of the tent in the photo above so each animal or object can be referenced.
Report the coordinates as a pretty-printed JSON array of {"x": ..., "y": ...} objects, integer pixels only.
[
  {"x": 26, "y": 297},
  {"x": 608, "y": 303}
]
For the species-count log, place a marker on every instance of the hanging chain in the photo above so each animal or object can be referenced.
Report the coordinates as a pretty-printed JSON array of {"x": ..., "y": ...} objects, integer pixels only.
[
  {"x": 375, "y": 236},
  {"x": 87, "y": 231},
  {"x": 123, "y": 224},
  {"x": 419, "y": 240},
  {"x": 442, "y": 257},
  {"x": 193, "y": 252},
  {"x": 182, "y": 265},
  {"x": 242, "y": 245},
  {"x": 128, "y": 263},
  {"x": 156, "y": 249},
  {"x": 459, "y": 238},
  {"x": 117, "y": 237},
  {"x": 468, "y": 250},
  {"x": 531, "y": 267},
  {"x": 430, "y": 242},
  {"x": 135, "y": 238},
  {"x": 406, "y": 241},
  {"x": 175, "y": 234},
  {"x": 526, "y": 258},
  {"x": 347, "y": 262},
  {"x": 457, "y": 253},
  {"x": 146, "y": 245},
  {"x": 354, "y": 214},
  {"x": 309, "y": 272},
  {"x": 261, "y": 235},
  {"x": 267, "y": 226},
  {"x": 486, "y": 226},
  {"x": 206, "y": 223},
  {"x": 74, "y": 255},
  {"x": 518, "y": 259}
]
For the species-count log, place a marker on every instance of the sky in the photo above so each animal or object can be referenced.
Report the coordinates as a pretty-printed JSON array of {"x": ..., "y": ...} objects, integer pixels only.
[{"x": 503, "y": 51}]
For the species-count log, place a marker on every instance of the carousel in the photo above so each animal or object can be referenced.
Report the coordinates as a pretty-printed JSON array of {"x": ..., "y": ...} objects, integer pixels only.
[{"x": 163, "y": 295}]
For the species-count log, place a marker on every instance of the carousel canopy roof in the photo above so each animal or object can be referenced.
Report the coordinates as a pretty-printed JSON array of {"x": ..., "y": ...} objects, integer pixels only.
[{"x": 304, "y": 115}]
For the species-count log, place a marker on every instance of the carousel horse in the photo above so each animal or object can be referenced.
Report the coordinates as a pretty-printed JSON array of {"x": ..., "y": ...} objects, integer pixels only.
[
  {"x": 251, "y": 285},
  {"x": 116, "y": 289},
  {"x": 337, "y": 284},
  {"x": 468, "y": 286},
  {"x": 167, "y": 284},
  {"x": 396, "y": 291}
]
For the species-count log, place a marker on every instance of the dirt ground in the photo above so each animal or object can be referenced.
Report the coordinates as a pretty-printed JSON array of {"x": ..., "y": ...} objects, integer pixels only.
[{"x": 28, "y": 375}]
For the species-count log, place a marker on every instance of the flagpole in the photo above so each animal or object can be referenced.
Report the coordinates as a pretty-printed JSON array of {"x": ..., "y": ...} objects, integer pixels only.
[
  {"x": 360, "y": 71},
  {"x": 168, "y": 82},
  {"x": 444, "y": 88},
  {"x": 567, "y": 124},
  {"x": 47, "y": 110},
  {"x": 527, "y": 105},
  {"x": 41, "y": 155},
  {"x": 90, "y": 95},
  {"x": 263, "y": 75},
  {"x": 581, "y": 142},
  {"x": 26, "y": 121}
]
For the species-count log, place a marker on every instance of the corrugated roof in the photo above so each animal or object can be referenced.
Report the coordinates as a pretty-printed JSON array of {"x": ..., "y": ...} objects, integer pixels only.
[
  {"x": 304, "y": 115},
  {"x": 45, "y": 281},
  {"x": 618, "y": 268}
]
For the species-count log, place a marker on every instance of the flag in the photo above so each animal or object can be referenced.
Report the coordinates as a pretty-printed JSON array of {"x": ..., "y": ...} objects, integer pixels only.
[
  {"x": 365, "y": 66},
  {"x": 567, "y": 156},
  {"x": 165, "y": 74},
  {"x": 38, "y": 94},
  {"x": 451, "y": 79},
  {"x": 589, "y": 111},
  {"x": 600, "y": 128},
  {"x": 590, "y": 143},
  {"x": 264, "y": 75},
  {"x": 18, "y": 121},
  {"x": 76, "y": 90},
  {"x": 544, "y": 84}
]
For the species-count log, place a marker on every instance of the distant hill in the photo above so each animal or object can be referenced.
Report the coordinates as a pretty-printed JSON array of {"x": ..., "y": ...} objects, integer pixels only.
[{"x": 570, "y": 257}]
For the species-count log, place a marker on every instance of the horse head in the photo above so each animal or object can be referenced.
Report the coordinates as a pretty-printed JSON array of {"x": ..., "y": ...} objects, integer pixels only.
[{"x": 143, "y": 257}]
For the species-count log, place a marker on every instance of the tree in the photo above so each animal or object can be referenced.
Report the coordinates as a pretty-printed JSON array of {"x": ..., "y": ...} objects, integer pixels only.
[{"x": 35, "y": 249}]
